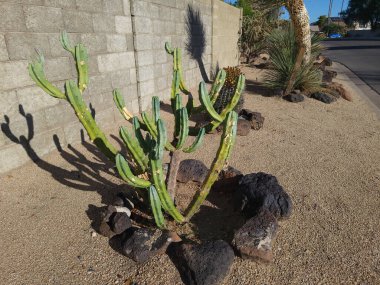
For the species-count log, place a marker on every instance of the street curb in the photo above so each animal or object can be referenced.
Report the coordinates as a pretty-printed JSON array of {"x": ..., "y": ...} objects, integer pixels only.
[{"x": 347, "y": 77}]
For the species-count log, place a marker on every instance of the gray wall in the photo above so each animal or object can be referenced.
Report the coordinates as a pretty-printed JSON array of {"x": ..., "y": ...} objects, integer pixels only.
[{"x": 125, "y": 40}]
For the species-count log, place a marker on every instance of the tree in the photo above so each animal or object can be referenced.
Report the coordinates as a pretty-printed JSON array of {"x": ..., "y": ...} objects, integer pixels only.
[
  {"x": 322, "y": 21},
  {"x": 362, "y": 11}
]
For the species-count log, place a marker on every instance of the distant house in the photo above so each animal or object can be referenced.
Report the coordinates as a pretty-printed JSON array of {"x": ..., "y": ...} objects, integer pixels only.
[
  {"x": 361, "y": 27},
  {"x": 338, "y": 20},
  {"x": 314, "y": 28}
]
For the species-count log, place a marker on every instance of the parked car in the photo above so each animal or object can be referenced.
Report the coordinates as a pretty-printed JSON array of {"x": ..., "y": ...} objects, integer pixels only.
[{"x": 335, "y": 36}]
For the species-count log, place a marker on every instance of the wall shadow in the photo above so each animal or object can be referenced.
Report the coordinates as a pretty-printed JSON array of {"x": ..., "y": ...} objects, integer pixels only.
[
  {"x": 88, "y": 174},
  {"x": 196, "y": 39}
]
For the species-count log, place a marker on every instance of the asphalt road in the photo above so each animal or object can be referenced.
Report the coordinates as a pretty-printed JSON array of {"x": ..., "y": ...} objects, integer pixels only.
[{"x": 361, "y": 56}]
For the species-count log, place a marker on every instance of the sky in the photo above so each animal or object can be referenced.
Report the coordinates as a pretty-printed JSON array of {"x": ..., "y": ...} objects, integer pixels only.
[{"x": 317, "y": 8}]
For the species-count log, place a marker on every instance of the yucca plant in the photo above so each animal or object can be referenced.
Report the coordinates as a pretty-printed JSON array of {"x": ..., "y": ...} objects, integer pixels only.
[
  {"x": 283, "y": 50},
  {"x": 145, "y": 168}
]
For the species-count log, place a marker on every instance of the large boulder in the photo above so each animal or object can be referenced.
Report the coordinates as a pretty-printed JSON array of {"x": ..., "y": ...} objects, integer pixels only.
[
  {"x": 202, "y": 264},
  {"x": 254, "y": 239},
  {"x": 259, "y": 191}
]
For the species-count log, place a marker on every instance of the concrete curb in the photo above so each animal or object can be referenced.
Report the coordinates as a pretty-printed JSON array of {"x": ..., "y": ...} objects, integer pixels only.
[{"x": 367, "y": 93}]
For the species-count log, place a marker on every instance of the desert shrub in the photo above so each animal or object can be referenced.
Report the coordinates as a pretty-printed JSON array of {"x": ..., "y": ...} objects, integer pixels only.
[
  {"x": 333, "y": 29},
  {"x": 282, "y": 49}
]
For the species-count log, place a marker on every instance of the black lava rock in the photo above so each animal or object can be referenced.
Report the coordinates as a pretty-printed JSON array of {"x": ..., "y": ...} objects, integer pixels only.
[
  {"x": 191, "y": 170},
  {"x": 259, "y": 191},
  {"x": 145, "y": 243},
  {"x": 322, "y": 97},
  {"x": 256, "y": 119},
  {"x": 204, "y": 264},
  {"x": 243, "y": 127},
  {"x": 328, "y": 75},
  {"x": 293, "y": 97},
  {"x": 254, "y": 239},
  {"x": 228, "y": 180},
  {"x": 115, "y": 221}
]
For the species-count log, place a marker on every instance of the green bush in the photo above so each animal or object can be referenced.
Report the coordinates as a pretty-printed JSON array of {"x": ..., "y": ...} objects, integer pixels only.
[{"x": 282, "y": 49}]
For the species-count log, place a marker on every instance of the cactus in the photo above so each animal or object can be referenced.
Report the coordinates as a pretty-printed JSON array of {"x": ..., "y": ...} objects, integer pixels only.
[{"x": 144, "y": 169}]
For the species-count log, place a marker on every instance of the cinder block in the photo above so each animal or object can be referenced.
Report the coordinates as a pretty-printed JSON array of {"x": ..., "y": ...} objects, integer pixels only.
[
  {"x": 95, "y": 43},
  {"x": 34, "y": 98},
  {"x": 58, "y": 69},
  {"x": 14, "y": 74},
  {"x": 93, "y": 68},
  {"x": 78, "y": 21},
  {"x": 127, "y": 7},
  {"x": 116, "y": 61},
  {"x": 105, "y": 119},
  {"x": 3, "y": 49},
  {"x": 145, "y": 73},
  {"x": 160, "y": 56},
  {"x": 130, "y": 92},
  {"x": 164, "y": 13},
  {"x": 133, "y": 75},
  {"x": 12, "y": 156},
  {"x": 90, "y": 5},
  {"x": 104, "y": 23},
  {"x": 123, "y": 24},
  {"x": 143, "y": 42},
  {"x": 140, "y": 8},
  {"x": 166, "y": 68},
  {"x": 59, "y": 115},
  {"x": 161, "y": 83},
  {"x": 61, "y": 3},
  {"x": 114, "y": 7},
  {"x": 24, "y": 45},
  {"x": 146, "y": 88},
  {"x": 144, "y": 57},
  {"x": 44, "y": 143},
  {"x": 130, "y": 44},
  {"x": 12, "y": 18},
  {"x": 72, "y": 132},
  {"x": 143, "y": 25},
  {"x": 116, "y": 43},
  {"x": 120, "y": 78},
  {"x": 43, "y": 19},
  {"x": 99, "y": 84},
  {"x": 157, "y": 27},
  {"x": 157, "y": 70},
  {"x": 146, "y": 102},
  {"x": 9, "y": 103}
]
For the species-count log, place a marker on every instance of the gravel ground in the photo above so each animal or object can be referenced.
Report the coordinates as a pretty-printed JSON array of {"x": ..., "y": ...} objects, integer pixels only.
[{"x": 325, "y": 156}]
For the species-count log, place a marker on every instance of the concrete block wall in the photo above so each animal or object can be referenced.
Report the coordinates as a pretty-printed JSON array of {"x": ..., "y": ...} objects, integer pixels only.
[
  {"x": 156, "y": 22},
  {"x": 125, "y": 40}
]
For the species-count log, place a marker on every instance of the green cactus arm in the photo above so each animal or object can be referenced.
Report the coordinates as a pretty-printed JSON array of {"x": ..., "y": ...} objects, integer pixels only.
[
  {"x": 96, "y": 135},
  {"x": 159, "y": 182},
  {"x": 155, "y": 204},
  {"x": 65, "y": 42},
  {"x": 81, "y": 59},
  {"x": 183, "y": 127},
  {"x": 217, "y": 85},
  {"x": 168, "y": 48},
  {"x": 226, "y": 143},
  {"x": 127, "y": 175},
  {"x": 36, "y": 72},
  {"x": 206, "y": 103},
  {"x": 156, "y": 108},
  {"x": 175, "y": 87},
  {"x": 197, "y": 142},
  {"x": 120, "y": 104},
  {"x": 135, "y": 149},
  {"x": 231, "y": 105}
]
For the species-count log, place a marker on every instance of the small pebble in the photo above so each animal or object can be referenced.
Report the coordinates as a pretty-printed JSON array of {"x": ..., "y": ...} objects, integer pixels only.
[{"x": 93, "y": 234}]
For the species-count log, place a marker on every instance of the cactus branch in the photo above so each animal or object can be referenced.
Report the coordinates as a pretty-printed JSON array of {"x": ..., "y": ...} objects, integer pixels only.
[
  {"x": 206, "y": 103},
  {"x": 120, "y": 104},
  {"x": 197, "y": 142},
  {"x": 155, "y": 204},
  {"x": 217, "y": 85},
  {"x": 81, "y": 59},
  {"x": 127, "y": 175},
  {"x": 226, "y": 143},
  {"x": 96, "y": 135}
]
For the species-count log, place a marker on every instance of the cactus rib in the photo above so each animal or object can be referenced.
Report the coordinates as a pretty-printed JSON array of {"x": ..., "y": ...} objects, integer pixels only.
[
  {"x": 226, "y": 143},
  {"x": 81, "y": 59},
  {"x": 120, "y": 104},
  {"x": 155, "y": 204},
  {"x": 127, "y": 175},
  {"x": 183, "y": 127}
]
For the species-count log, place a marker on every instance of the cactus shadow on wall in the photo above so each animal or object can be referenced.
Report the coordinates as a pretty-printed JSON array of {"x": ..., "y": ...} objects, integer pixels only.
[
  {"x": 88, "y": 174},
  {"x": 196, "y": 39}
]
